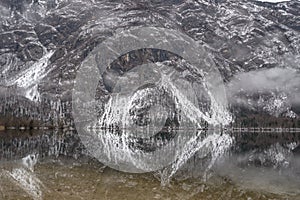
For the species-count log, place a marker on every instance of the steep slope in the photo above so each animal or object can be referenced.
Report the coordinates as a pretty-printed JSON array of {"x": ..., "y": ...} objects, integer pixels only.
[{"x": 43, "y": 43}]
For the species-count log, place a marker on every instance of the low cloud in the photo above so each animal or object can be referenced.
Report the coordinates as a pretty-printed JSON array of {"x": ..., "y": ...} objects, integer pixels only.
[
  {"x": 265, "y": 80},
  {"x": 273, "y": 83}
]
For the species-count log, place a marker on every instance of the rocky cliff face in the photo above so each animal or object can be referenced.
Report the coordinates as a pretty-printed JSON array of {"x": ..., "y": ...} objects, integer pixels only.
[{"x": 43, "y": 43}]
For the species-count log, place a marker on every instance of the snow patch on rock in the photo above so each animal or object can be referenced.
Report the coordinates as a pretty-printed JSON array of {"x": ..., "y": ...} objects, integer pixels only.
[{"x": 29, "y": 78}]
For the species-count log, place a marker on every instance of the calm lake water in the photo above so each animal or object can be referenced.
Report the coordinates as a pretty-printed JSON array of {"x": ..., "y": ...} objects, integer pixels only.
[{"x": 54, "y": 165}]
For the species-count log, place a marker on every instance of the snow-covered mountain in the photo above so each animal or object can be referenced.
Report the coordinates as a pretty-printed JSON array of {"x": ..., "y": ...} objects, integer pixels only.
[{"x": 254, "y": 44}]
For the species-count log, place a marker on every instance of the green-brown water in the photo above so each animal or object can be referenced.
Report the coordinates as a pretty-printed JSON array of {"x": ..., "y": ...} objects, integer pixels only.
[
  {"x": 60, "y": 174},
  {"x": 74, "y": 179}
]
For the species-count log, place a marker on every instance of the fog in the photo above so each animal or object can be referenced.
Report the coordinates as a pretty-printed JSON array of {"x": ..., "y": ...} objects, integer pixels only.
[{"x": 279, "y": 82}]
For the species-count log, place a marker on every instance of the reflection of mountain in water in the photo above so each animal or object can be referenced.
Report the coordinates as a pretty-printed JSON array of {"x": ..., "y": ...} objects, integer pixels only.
[{"x": 16, "y": 144}]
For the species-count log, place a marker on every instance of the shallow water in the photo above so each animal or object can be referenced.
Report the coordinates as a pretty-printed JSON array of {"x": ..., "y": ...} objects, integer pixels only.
[
  {"x": 270, "y": 172},
  {"x": 73, "y": 179}
]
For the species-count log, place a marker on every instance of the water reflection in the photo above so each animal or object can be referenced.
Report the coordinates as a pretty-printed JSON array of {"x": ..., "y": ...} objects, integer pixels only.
[
  {"x": 58, "y": 166},
  {"x": 18, "y": 144}
]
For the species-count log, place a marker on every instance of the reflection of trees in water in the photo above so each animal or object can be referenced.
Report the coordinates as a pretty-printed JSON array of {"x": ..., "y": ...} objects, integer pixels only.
[
  {"x": 16, "y": 144},
  {"x": 246, "y": 141}
]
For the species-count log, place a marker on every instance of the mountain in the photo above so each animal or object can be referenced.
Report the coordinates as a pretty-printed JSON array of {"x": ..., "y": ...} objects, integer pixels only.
[{"x": 252, "y": 43}]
